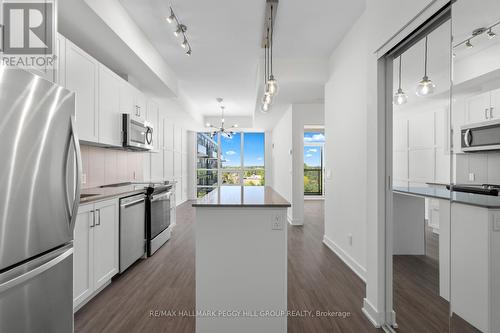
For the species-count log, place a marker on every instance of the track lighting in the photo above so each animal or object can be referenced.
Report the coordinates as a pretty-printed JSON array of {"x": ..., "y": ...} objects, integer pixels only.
[
  {"x": 180, "y": 29},
  {"x": 491, "y": 34},
  {"x": 425, "y": 86},
  {"x": 468, "y": 44},
  {"x": 264, "y": 108}
]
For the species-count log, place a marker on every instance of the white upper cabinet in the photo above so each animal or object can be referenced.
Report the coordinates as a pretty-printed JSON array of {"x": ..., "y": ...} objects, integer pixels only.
[
  {"x": 109, "y": 107},
  {"x": 141, "y": 104},
  {"x": 127, "y": 98},
  {"x": 82, "y": 78},
  {"x": 153, "y": 117},
  {"x": 478, "y": 108},
  {"x": 495, "y": 104},
  {"x": 168, "y": 135}
]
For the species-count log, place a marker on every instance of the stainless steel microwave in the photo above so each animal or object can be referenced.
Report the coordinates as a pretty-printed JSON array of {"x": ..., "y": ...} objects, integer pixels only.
[
  {"x": 137, "y": 133},
  {"x": 481, "y": 137}
]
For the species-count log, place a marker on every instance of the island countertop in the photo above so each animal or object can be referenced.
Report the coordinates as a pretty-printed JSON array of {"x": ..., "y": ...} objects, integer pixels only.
[{"x": 242, "y": 196}]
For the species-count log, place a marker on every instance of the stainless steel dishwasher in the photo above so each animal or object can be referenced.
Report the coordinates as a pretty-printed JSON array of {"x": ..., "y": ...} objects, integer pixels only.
[{"x": 132, "y": 230}]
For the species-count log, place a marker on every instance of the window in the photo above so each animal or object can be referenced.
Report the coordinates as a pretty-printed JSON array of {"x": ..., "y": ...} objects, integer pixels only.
[
  {"x": 238, "y": 160},
  {"x": 313, "y": 163},
  {"x": 253, "y": 159}
]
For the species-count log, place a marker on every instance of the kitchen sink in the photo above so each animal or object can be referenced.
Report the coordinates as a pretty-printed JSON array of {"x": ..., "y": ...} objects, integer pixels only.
[{"x": 83, "y": 196}]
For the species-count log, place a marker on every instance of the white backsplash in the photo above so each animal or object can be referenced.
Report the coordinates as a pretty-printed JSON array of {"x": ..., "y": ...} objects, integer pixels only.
[
  {"x": 103, "y": 166},
  {"x": 484, "y": 166}
]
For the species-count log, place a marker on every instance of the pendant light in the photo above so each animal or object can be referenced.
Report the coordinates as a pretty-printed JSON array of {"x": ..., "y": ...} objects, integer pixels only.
[
  {"x": 400, "y": 97},
  {"x": 271, "y": 84},
  {"x": 267, "y": 98},
  {"x": 425, "y": 86}
]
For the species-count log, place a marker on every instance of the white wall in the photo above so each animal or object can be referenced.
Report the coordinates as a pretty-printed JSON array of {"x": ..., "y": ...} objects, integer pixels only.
[
  {"x": 345, "y": 150},
  {"x": 288, "y": 170},
  {"x": 281, "y": 159},
  {"x": 360, "y": 80},
  {"x": 303, "y": 114}
]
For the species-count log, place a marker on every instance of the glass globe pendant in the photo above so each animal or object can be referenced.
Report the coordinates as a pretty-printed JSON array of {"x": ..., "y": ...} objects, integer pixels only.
[
  {"x": 400, "y": 97},
  {"x": 425, "y": 86},
  {"x": 271, "y": 86}
]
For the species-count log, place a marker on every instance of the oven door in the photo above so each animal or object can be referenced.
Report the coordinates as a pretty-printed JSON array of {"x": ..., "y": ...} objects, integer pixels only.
[{"x": 160, "y": 213}]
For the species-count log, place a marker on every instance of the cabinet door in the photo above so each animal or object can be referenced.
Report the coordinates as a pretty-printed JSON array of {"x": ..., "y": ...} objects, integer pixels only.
[
  {"x": 477, "y": 108},
  {"x": 152, "y": 117},
  {"x": 168, "y": 164},
  {"x": 168, "y": 134},
  {"x": 83, "y": 260},
  {"x": 157, "y": 166},
  {"x": 495, "y": 104},
  {"x": 141, "y": 104},
  {"x": 82, "y": 78},
  {"x": 127, "y": 98},
  {"x": 110, "y": 124},
  {"x": 177, "y": 139},
  {"x": 105, "y": 242}
]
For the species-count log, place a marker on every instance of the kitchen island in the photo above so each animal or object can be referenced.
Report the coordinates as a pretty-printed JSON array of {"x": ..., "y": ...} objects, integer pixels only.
[{"x": 241, "y": 260}]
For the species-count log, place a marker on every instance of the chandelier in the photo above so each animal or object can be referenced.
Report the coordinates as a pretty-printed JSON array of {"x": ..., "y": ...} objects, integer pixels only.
[{"x": 225, "y": 132}]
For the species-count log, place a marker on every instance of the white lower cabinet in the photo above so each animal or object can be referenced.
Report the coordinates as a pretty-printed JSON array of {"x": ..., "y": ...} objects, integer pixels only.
[{"x": 95, "y": 249}]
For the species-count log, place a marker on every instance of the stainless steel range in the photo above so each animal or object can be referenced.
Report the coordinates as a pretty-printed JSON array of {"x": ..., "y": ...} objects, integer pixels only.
[{"x": 159, "y": 205}]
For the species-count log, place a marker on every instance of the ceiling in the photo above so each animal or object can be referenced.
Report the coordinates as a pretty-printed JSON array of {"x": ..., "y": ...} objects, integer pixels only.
[{"x": 225, "y": 36}]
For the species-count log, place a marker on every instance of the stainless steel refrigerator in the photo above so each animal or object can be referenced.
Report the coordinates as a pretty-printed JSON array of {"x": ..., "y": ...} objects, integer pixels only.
[{"x": 40, "y": 171}]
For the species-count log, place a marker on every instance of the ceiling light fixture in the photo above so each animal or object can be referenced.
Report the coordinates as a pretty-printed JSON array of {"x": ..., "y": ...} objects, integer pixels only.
[
  {"x": 425, "y": 86},
  {"x": 491, "y": 34},
  {"x": 400, "y": 97},
  {"x": 180, "y": 29},
  {"x": 227, "y": 133},
  {"x": 467, "y": 42},
  {"x": 270, "y": 82}
]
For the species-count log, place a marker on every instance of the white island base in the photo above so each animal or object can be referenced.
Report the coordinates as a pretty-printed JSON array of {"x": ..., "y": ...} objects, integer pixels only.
[{"x": 241, "y": 269}]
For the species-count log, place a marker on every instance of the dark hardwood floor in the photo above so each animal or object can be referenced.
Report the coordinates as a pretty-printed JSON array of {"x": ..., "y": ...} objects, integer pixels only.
[{"x": 317, "y": 281}]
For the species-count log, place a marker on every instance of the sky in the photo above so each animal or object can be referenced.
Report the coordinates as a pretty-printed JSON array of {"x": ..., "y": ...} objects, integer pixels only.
[
  {"x": 253, "y": 150},
  {"x": 312, "y": 155}
]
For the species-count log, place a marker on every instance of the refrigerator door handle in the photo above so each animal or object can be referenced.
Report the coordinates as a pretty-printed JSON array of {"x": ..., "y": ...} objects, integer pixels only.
[
  {"x": 76, "y": 201},
  {"x": 12, "y": 282}
]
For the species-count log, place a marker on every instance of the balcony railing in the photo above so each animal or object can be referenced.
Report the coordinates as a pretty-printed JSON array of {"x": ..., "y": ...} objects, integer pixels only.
[{"x": 313, "y": 181}]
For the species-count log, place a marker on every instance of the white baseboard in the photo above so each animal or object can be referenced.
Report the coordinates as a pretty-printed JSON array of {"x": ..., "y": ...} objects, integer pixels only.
[
  {"x": 375, "y": 317},
  {"x": 346, "y": 258},
  {"x": 294, "y": 221}
]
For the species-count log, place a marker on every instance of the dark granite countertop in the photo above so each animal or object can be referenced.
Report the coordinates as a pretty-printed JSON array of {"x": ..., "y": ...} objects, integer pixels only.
[
  {"x": 242, "y": 196},
  {"x": 440, "y": 192}
]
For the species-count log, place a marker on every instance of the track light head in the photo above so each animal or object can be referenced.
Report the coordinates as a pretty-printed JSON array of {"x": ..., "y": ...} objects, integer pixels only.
[
  {"x": 171, "y": 18},
  {"x": 181, "y": 29},
  {"x": 184, "y": 43},
  {"x": 468, "y": 44},
  {"x": 188, "y": 52},
  {"x": 491, "y": 34}
]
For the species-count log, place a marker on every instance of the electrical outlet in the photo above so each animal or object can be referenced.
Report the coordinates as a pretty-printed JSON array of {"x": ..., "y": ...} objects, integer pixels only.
[
  {"x": 84, "y": 178},
  {"x": 350, "y": 239},
  {"x": 277, "y": 223},
  {"x": 472, "y": 176}
]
